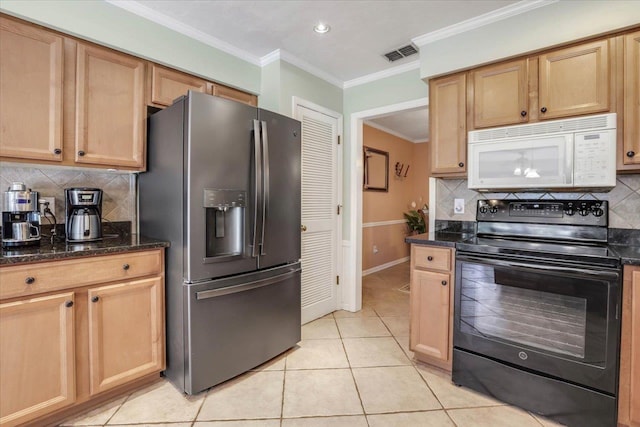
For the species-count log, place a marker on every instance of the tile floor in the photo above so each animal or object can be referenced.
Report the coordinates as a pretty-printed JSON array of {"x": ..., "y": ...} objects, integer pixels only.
[{"x": 349, "y": 370}]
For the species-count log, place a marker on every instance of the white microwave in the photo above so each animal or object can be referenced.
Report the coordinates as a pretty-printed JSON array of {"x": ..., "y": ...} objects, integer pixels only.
[{"x": 570, "y": 154}]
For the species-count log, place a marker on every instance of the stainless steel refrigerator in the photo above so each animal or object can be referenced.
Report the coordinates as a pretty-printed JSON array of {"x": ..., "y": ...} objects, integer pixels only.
[{"x": 223, "y": 186}]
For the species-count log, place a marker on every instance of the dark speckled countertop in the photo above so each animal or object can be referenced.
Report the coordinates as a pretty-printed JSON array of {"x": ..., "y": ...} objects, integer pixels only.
[
  {"x": 62, "y": 250},
  {"x": 439, "y": 238}
]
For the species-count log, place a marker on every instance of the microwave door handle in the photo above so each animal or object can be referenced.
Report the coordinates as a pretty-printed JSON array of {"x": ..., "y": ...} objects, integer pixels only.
[
  {"x": 265, "y": 184},
  {"x": 257, "y": 161}
]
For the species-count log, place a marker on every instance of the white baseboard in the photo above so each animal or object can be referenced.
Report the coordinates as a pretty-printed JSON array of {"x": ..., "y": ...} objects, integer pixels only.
[{"x": 384, "y": 266}]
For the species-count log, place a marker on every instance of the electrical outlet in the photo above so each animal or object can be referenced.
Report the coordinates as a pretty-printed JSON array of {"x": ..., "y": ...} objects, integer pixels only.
[
  {"x": 375, "y": 249},
  {"x": 41, "y": 205},
  {"x": 458, "y": 206}
]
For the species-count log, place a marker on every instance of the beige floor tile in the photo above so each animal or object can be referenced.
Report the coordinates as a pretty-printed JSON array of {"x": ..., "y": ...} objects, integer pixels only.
[
  {"x": 452, "y": 396},
  {"x": 411, "y": 419},
  {"x": 393, "y": 389},
  {"x": 370, "y": 352},
  {"x": 404, "y": 344},
  {"x": 319, "y": 393},
  {"x": 497, "y": 416},
  {"x": 546, "y": 422},
  {"x": 238, "y": 423},
  {"x": 253, "y": 395},
  {"x": 275, "y": 364},
  {"x": 365, "y": 312},
  {"x": 398, "y": 325},
  {"x": 96, "y": 417},
  {"x": 320, "y": 329},
  {"x": 158, "y": 403},
  {"x": 348, "y": 421},
  {"x": 362, "y": 327},
  {"x": 317, "y": 354},
  {"x": 157, "y": 425},
  {"x": 391, "y": 308}
]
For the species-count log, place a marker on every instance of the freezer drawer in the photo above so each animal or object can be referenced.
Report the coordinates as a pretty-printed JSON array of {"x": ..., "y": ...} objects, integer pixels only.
[{"x": 238, "y": 323}]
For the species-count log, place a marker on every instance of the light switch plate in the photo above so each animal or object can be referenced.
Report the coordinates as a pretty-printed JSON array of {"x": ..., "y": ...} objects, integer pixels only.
[{"x": 458, "y": 206}]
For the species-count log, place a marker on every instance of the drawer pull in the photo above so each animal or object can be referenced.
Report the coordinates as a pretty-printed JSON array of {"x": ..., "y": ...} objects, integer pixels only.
[
  {"x": 523, "y": 113},
  {"x": 125, "y": 267},
  {"x": 29, "y": 280},
  {"x": 95, "y": 298},
  {"x": 631, "y": 154},
  {"x": 543, "y": 110},
  {"x": 57, "y": 151},
  {"x": 429, "y": 258},
  {"x": 81, "y": 153},
  {"x": 68, "y": 304},
  {"x": 443, "y": 283}
]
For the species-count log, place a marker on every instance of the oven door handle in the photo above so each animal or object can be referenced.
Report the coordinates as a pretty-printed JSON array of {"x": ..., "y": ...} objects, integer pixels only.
[{"x": 544, "y": 267}]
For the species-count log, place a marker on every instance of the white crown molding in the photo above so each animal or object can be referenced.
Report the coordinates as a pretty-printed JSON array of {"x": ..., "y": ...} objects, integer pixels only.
[
  {"x": 391, "y": 132},
  {"x": 413, "y": 65},
  {"x": 270, "y": 57},
  {"x": 482, "y": 20},
  {"x": 305, "y": 66},
  {"x": 187, "y": 30}
]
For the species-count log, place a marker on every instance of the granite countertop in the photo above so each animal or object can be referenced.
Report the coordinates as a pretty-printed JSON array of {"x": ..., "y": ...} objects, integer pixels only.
[
  {"x": 629, "y": 255},
  {"x": 46, "y": 251},
  {"x": 439, "y": 238}
]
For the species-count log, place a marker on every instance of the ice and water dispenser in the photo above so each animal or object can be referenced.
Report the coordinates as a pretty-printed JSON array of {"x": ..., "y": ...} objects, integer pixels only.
[{"x": 225, "y": 210}]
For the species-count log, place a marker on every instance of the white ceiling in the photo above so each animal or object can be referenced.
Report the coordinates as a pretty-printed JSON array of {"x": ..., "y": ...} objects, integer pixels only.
[{"x": 361, "y": 32}]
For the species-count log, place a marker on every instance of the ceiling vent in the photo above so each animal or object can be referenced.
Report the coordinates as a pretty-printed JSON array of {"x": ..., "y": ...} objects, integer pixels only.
[{"x": 401, "y": 52}]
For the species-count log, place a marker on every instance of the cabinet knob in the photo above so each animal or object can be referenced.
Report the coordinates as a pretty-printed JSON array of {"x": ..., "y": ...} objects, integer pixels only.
[
  {"x": 57, "y": 151},
  {"x": 125, "y": 266},
  {"x": 29, "y": 280},
  {"x": 523, "y": 113},
  {"x": 443, "y": 283},
  {"x": 631, "y": 153},
  {"x": 543, "y": 110},
  {"x": 81, "y": 153},
  {"x": 429, "y": 258},
  {"x": 68, "y": 304},
  {"x": 95, "y": 298},
  {"x": 461, "y": 164}
]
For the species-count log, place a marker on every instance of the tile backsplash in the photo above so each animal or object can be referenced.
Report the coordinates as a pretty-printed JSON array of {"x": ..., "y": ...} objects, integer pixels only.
[
  {"x": 624, "y": 200},
  {"x": 119, "y": 194}
]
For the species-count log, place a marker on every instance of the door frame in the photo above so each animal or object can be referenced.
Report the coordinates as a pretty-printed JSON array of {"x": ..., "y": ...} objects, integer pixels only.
[
  {"x": 301, "y": 102},
  {"x": 352, "y": 291}
]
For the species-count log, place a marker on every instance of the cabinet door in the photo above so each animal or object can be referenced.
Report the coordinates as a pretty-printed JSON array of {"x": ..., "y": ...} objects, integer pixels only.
[
  {"x": 447, "y": 124},
  {"x": 110, "y": 108},
  {"x": 631, "y": 150},
  {"x": 430, "y": 314},
  {"x": 235, "y": 95},
  {"x": 126, "y": 332},
  {"x": 167, "y": 85},
  {"x": 31, "y": 73},
  {"x": 37, "y": 357},
  {"x": 629, "y": 402},
  {"x": 500, "y": 94},
  {"x": 574, "y": 80}
]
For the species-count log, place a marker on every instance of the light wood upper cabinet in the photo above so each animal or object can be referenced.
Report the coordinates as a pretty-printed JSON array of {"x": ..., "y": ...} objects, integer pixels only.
[
  {"x": 631, "y": 144},
  {"x": 126, "y": 332},
  {"x": 167, "y": 85},
  {"x": 235, "y": 95},
  {"x": 31, "y": 76},
  {"x": 447, "y": 104},
  {"x": 37, "y": 357},
  {"x": 110, "y": 108},
  {"x": 629, "y": 400},
  {"x": 574, "y": 80},
  {"x": 500, "y": 94}
]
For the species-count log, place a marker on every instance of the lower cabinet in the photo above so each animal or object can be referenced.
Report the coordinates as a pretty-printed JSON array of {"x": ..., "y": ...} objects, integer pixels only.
[
  {"x": 65, "y": 343},
  {"x": 629, "y": 402},
  {"x": 431, "y": 303}
]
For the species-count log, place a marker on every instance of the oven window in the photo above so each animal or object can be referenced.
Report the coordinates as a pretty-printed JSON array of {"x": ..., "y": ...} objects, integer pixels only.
[{"x": 557, "y": 314}]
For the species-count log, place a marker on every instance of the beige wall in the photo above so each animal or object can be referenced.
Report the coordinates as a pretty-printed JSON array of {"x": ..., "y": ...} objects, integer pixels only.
[{"x": 380, "y": 206}]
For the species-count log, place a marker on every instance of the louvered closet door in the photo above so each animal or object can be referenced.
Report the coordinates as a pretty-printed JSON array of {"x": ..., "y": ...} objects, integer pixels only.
[{"x": 319, "y": 213}]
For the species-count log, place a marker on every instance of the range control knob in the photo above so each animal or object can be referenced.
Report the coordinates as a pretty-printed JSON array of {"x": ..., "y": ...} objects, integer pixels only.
[
  {"x": 569, "y": 212},
  {"x": 583, "y": 212},
  {"x": 597, "y": 212},
  {"x": 493, "y": 209},
  {"x": 483, "y": 209}
]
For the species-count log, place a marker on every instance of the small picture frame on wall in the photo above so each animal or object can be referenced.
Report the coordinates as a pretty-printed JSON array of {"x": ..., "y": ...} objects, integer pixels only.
[{"x": 376, "y": 170}]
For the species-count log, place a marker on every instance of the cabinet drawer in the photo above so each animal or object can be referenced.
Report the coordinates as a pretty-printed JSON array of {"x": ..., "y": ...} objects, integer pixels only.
[
  {"x": 432, "y": 258},
  {"x": 29, "y": 279}
]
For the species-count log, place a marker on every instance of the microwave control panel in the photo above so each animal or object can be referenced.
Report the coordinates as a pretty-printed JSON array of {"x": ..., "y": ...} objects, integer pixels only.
[{"x": 594, "y": 157}]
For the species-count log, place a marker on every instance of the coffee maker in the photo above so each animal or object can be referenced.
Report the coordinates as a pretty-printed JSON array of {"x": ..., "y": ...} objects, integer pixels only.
[
  {"x": 83, "y": 212},
  {"x": 20, "y": 216}
]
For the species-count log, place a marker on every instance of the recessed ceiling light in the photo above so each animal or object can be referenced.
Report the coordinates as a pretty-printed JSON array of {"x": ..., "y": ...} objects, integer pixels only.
[{"x": 321, "y": 28}]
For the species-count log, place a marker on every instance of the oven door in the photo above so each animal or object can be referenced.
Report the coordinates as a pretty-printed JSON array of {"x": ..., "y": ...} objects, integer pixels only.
[{"x": 557, "y": 320}]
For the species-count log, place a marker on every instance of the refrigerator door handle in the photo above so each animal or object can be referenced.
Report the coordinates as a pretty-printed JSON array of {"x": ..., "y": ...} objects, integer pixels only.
[
  {"x": 257, "y": 194},
  {"x": 265, "y": 183},
  {"x": 245, "y": 286}
]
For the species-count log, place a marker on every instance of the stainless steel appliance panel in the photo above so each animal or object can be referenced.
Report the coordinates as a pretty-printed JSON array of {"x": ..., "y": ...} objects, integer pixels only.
[
  {"x": 219, "y": 143},
  {"x": 239, "y": 323},
  {"x": 282, "y": 178}
]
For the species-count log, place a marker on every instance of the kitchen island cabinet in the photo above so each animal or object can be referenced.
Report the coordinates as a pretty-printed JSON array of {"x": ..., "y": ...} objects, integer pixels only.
[
  {"x": 431, "y": 305},
  {"x": 77, "y": 332},
  {"x": 630, "y": 150},
  {"x": 629, "y": 401}
]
